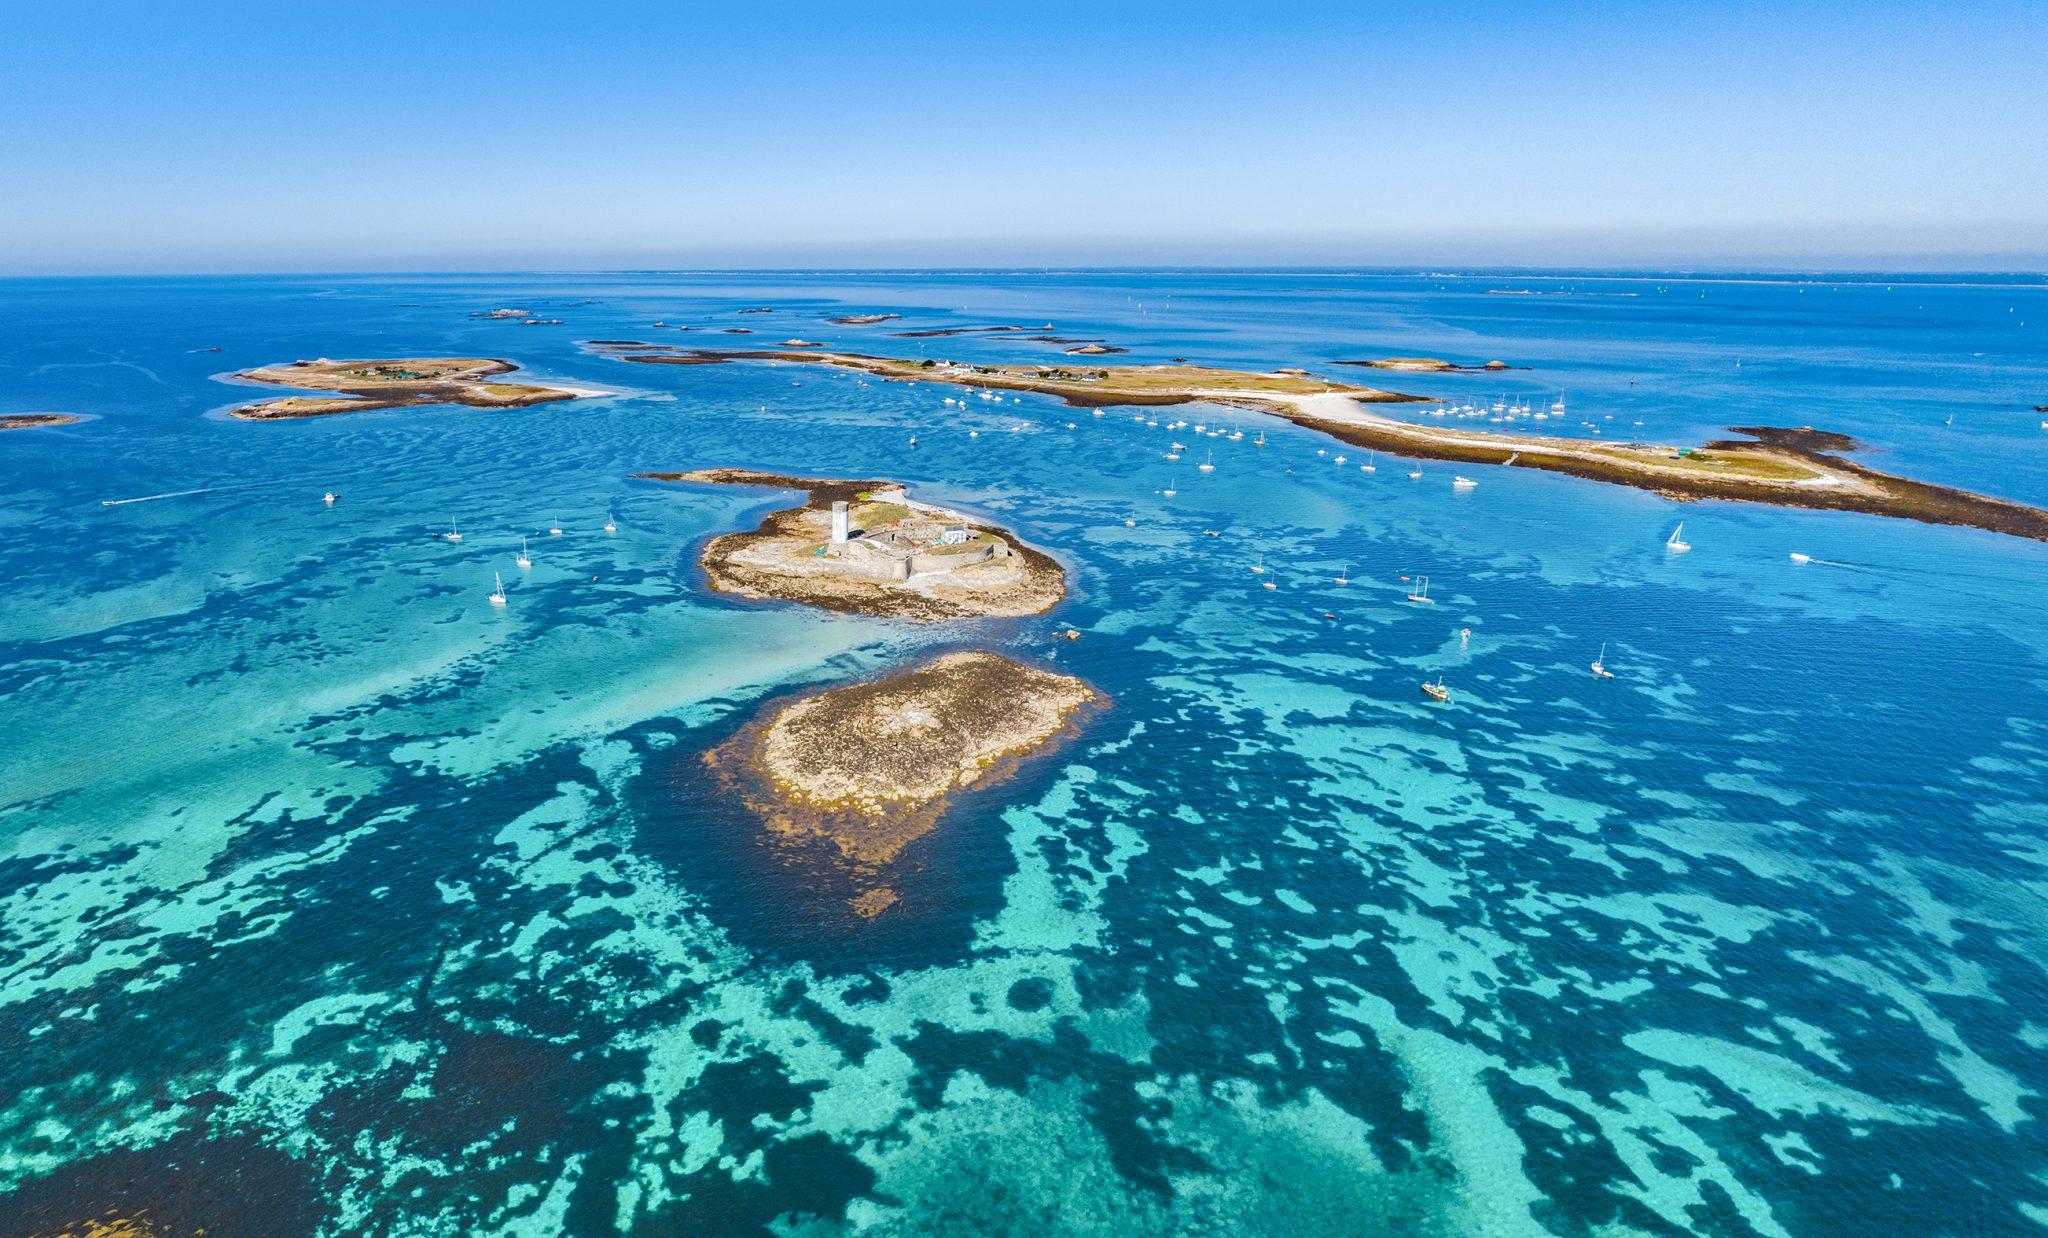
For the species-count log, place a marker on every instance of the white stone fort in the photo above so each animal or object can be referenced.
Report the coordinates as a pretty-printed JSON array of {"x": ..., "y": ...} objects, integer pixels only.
[{"x": 926, "y": 542}]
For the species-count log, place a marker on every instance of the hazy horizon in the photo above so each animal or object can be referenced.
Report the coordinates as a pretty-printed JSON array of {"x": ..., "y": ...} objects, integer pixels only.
[{"x": 228, "y": 138}]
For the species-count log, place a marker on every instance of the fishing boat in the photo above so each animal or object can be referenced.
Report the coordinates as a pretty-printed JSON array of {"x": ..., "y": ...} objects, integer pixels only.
[
  {"x": 453, "y": 534},
  {"x": 1436, "y": 691},
  {"x": 1600, "y": 670},
  {"x": 498, "y": 596},
  {"x": 1421, "y": 593},
  {"x": 1800, "y": 558},
  {"x": 1462, "y": 483},
  {"x": 523, "y": 561},
  {"x": 1674, "y": 543}
]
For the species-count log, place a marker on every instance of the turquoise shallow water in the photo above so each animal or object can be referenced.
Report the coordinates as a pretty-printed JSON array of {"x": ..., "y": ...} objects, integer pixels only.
[{"x": 334, "y": 900}]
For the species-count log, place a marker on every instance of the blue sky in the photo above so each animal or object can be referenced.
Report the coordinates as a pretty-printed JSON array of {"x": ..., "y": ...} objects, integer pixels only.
[{"x": 247, "y": 137}]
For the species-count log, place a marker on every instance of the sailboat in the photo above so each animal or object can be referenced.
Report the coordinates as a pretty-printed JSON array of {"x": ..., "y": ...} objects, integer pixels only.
[
  {"x": 328, "y": 498},
  {"x": 1344, "y": 576},
  {"x": 1600, "y": 670},
  {"x": 1421, "y": 593},
  {"x": 1169, "y": 492},
  {"x": 1261, "y": 440},
  {"x": 1415, "y": 474},
  {"x": 498, "y": 597},
  {"x": 554, "y": 530},
  {"x": 1259, "y": 568},
  {"x": 453, "y": 534},
  {"x": 1367, "y": 466},
  {"x": 1209, "y": 465},
  {"x": 1436, "y": 691},
  {"x": 610, "y": 525},
  {"x": 523, "y": 561},
  {"x": 1674, "y": 544}
]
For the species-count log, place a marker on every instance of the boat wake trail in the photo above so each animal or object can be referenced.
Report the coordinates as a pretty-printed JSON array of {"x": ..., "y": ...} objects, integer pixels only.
[
  {"x": 151, "y": 498},
  {"x": 179, "y": 494}
]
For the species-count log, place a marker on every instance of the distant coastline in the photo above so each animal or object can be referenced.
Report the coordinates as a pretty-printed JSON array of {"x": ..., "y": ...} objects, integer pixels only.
[{"x": 1776, "y": 466}]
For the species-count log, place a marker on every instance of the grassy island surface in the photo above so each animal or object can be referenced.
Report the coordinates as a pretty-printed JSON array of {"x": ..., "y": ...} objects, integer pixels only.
[
  {"x": 871, "y": 767},
  {"x": 33, "y": 421},
  {"x": 1783, "y": 467},
  {"x": 363, "y": 386},
  {"x": 954, "y": 567}
]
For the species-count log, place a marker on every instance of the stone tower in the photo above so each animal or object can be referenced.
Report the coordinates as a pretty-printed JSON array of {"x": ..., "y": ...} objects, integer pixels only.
[{"x": 839, "y": 518}]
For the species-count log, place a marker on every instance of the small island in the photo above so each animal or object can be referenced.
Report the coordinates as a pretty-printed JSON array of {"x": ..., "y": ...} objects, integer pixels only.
[
  {"x": 866, "y": 547},
  {"x": 363, "y": 386},
  {"x": 862, "y": 320},
  {"x": 935, "y": 333},
  {"x": 1795, "y": 467},
  {"x": 35, "y": 421},
  {"x": 871, "y": 767},
  {"x": 1427, "y": 365}
]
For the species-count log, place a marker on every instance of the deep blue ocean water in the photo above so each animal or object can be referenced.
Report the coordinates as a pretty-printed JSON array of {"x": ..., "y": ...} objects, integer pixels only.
[{"x": 333, "y": 899}]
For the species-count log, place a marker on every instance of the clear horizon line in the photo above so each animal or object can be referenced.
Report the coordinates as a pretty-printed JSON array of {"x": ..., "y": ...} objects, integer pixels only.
[{"x": 1616, "y": 271}]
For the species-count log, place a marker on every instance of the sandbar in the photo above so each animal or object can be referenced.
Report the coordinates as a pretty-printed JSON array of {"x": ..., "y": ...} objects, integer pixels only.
[{"x": 35, "y": 421}]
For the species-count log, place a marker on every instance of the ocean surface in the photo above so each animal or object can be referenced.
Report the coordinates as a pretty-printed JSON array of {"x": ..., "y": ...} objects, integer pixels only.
[{"x": 335, "y": 900}]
